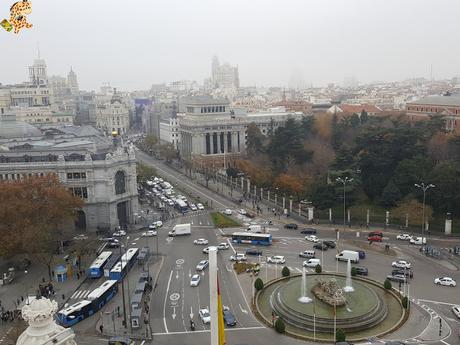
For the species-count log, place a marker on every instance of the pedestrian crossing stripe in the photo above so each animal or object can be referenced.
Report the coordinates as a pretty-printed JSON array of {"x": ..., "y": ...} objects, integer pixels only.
[{"x": 80, "y": 294}]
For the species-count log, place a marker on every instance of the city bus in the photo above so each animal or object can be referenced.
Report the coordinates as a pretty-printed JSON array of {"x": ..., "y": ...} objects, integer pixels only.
[
  {"x": 110, "y": 263},
  {"x": 250, "y": 238},
  {"x": 96, "y": 270},
  {"x": 375, "y": 236},
  {"x": 85, "y": 308},
  {"x": 122, "y": 267}
]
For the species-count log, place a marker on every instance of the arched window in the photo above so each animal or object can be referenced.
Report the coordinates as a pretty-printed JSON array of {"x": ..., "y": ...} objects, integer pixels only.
[{"x": 120, "y": 182}]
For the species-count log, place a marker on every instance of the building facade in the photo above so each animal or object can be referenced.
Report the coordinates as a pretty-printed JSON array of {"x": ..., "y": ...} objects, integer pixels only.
[
  {"x": 446, "y": 106},
  {"x": 85, "y": 162},
  {"x": 113, "y": 116}
]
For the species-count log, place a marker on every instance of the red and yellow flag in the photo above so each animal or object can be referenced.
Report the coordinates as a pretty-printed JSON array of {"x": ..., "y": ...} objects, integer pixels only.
[{"x": 220, "y": 315}]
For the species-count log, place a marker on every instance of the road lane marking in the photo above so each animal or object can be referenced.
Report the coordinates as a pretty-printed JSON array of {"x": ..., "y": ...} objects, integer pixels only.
[
  {"x": 174, "y": 312},
  {"x": 243, "y": 310},
  {"x": 435, "y": 302},
  {"x": 166, "y": 300},
  {"x": 207, "y": 330}
]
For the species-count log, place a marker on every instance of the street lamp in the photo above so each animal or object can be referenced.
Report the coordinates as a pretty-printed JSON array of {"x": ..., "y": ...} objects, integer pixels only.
[
  {"x": 424, "y": 188},
  {"x": 344, "y": 181}
]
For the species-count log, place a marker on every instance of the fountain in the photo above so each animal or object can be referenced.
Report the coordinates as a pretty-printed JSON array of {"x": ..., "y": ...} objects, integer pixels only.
[
  {"x": 303, "y": 288},
  {"x": 348, "y": 285}
]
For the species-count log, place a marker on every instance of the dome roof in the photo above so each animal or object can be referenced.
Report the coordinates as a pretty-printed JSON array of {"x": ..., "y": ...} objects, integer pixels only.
[{"x": 17, "y": 129}]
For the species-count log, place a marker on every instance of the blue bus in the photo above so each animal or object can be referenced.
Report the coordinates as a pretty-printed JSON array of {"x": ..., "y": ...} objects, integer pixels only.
[
  {"x": 181, "y": 205},
  {"x": 250, "y": 238},
  {"x": 96, "y": 270},
  {"x": 85, "y": 308},
  {"x": 110, "y": 263},
  {"x": 124, "y": 265}
]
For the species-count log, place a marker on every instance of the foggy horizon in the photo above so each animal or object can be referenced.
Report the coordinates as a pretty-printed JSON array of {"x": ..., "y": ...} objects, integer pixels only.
[{"x": 271, "y": 42}]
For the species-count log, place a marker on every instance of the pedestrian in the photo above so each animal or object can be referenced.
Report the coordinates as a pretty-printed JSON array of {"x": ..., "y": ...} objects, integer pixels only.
[
  {"x": 78, "y": 275},
  {"x": 101, "y": 328},
  {"x": 22, "y": 298}
]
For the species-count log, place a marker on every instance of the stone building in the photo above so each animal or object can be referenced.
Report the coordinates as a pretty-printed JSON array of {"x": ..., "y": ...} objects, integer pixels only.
[{"x": 113, "y": 116}]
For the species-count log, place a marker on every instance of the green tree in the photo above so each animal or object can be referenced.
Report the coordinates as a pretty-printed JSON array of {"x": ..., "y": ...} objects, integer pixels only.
[
  {"x": 411, "y": 171},
  {"x": 390, "y": 195},
  {"x": 255, "y": 141},
  {"x": 258, "y": 284},
  {"x": 353, "y": 272},
  {"x": 355, "y": 121},
  {"x": 307, "y": 126},
  {"x": 445, "y": 197},
  {"x": 150, "y": 143},
  {"x": 318, "y": 268},
  {"x": 405, "y": 302},
  {"x": 340, "y": 335},
  {"x": 364, "y": 117},
  {"x": 285, "y": 272},
  {"x": 168, "y": 152},
  {"x": 145, "y": 172},
  {"x": 387, "y": 284},
  {"x": 323, "y": 195},
  {"x": 280, "y": 327}
]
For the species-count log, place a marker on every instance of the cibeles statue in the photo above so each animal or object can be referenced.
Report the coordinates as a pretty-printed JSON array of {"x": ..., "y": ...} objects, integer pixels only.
[{"x": 43, "y": 330}]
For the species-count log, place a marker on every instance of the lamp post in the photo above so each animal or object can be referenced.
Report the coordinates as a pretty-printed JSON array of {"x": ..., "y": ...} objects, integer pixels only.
[
  {"x": 27, "y": 290},
  {"x": 424, "y": 188},
  {"x": 344, "y": 181}
]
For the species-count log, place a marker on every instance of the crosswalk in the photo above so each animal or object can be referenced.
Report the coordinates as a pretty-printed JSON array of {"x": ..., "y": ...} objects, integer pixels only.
[{"x": 80, "y": 294}]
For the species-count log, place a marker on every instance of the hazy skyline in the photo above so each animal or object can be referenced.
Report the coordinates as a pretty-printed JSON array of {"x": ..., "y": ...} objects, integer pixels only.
[{"x": 133, "y": 44}]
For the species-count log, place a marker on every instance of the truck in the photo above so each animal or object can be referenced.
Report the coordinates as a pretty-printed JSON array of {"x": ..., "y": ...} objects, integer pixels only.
[
  {"x": 181, "y": 230},
  {"x": 346, "y": 255}
]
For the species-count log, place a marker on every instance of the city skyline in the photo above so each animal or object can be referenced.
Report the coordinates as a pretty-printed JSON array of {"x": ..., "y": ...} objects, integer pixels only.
[{"x": 272, "y": 45}]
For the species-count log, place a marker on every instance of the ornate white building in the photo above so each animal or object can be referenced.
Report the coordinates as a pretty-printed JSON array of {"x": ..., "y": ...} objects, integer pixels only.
[
  {"x": 113, "y": 116},
  {"x": 43, "y": 330}
]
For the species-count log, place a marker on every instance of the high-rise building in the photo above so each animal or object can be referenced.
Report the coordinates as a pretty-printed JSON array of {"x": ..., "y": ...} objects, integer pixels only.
[
  {"x": 224, "y": 76},
  {"x": 73, "y": 82},
  {"x": 38, "y": 73}
]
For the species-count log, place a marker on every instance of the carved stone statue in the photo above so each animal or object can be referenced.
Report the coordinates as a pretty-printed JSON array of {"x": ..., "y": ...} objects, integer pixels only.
[
  {"x": 42, "y": 327},
  {"x": 329, "y": 292}
]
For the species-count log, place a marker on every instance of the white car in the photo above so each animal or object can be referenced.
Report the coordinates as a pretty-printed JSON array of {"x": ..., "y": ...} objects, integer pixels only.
[
  {"x": 201, "y": 241},
  {"x": 204, "y": 315},
  {"x": 206, "y": 250},
  {"x": 418, "y": 240},
  {"x": 404, "y": 237},
  {"x": 119, "y": 233},
  {"x": 202, "y": 265},
  {"x": 276, "y": 259},
  {"x": 242, "y": 211},
  {"x": 446, "y": 281},
  {"x": 80, "y": 237},
  {"x": 158, "y": 223},
  {"x": 223, "y": 245},
  {"x": 238, "y": 257},
  {"x": 193, "y": 207},
  {"x": 228, "y": 212},
  {"x": 456, "y": 310},
  {"x": 152, "y": 226},
  {"x": 312, "y": 238},
  {"x": 200, "y": 206},
  {"x": 401, "y": 264},
  {"x": 149, "y": 233},
  {"x": 195, "y": 280},
  {"x": 170, "y": 203}
]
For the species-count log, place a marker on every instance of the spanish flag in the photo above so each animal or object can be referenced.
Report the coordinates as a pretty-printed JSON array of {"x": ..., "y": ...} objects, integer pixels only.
[{"x": 220, "y": 315}]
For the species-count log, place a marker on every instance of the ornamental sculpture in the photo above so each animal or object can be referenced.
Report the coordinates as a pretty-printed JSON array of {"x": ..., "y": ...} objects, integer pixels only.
[{"x": 329, "y": 292}]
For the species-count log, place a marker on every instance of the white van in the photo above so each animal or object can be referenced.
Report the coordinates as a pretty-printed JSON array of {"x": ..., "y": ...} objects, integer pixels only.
[
  {"x": 418, "y": 240},
  {"x": 346, "y": 255},
  {"x": 312, "y": 262},
  {"x": 257, "y": 229}
]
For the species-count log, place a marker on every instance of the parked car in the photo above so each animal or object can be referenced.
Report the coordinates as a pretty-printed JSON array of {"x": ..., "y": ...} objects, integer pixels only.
[
  {"x": 362, "y": 254},
  {"x": 149, "y": 233},
  {"x": 397, "y": 278},
  {"x": 193, "y": 207},
  {"x": 308, "y": 231},
  {"x": 202, "y": 241},
  {"x": 113, "y": 244},
  {"x": 361, "y": 271},
  {"x": 202, "y": 265},
  {"x": 320, "y": 246},
  {"x": 238, "y": 257},
  {"x": 456, "y": 310},
  {"x": 195, "y": 280},
  {"x": 307, "y": 254},
  {"x": 206, "y": 250},
  {"x": 407, "y": 273},
  {"x": 223, "y": 245},
  {"x": 159, "y": 223},
  {"x": 80, "y": 237},
  {"x": 312, "y": 238},
  {"x": 119, "y": 233},
  {"x": 229, "y": 318},
  {"x": 200, "y": 206},
  {"x": 242, "y": 211},
  {"x": 330, "y": 244},
  {"x": 401, "y": 264},
  {"x": 291, "y": 226},
  {"x": 276, "y": 259},
  {"x": 228, "y": 212},
  {"x": 404, "y": 237},
  {"x": 204, "y": 315},
  {"x": 446, "y": 281},
  {"x": 253, "y": 251}
]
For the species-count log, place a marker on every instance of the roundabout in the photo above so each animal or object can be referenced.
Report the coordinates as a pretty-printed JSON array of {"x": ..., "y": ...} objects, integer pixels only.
[{"x": 312, "y": 306}]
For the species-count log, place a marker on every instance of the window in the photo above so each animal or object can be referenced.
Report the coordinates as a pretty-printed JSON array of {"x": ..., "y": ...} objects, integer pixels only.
[
  {"x": 120, "y": 182},
  {"x": 76, "y": 175}
]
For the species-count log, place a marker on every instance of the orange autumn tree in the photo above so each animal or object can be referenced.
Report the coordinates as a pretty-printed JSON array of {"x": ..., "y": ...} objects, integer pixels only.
[
  {"x": 259, "y": 176},
  {"x": 289, "y": 184},
  {"x": 33, "y": 212}
]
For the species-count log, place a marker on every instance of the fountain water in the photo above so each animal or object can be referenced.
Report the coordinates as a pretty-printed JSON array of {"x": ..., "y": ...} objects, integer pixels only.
[
  {"x": 303, "y": 288},
  {"x": 348, "y": 286}
]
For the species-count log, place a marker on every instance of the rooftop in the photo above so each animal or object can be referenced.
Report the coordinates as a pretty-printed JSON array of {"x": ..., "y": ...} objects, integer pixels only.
[
  {"x": 453, "y": 100},
  {"x": 204, "y": 100}
]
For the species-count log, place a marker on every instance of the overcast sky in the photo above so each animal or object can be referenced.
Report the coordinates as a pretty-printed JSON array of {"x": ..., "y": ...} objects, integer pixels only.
[{"x": 135, "y": 43}]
